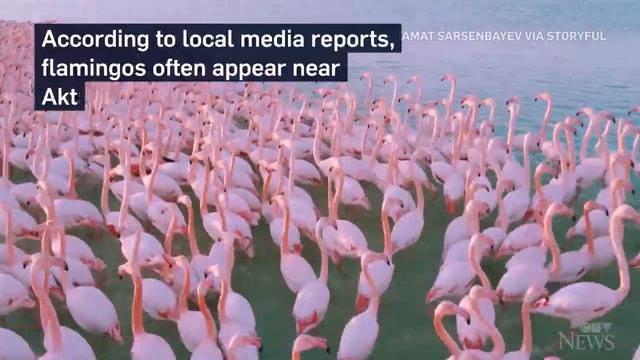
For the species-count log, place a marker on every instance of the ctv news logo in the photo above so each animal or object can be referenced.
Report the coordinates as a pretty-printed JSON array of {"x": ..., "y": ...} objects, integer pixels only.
[{"x": 596, "y": 336}]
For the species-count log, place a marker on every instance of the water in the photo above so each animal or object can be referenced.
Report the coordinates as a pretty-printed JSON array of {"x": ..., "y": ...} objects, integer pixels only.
[{"x": 602, "y": 74}]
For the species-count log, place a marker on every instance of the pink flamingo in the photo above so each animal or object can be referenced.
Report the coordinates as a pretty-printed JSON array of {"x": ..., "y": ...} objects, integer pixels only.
[
  {"x": 522, "y": 274},
  {"x": 208, "y": 349},
  {"x": 191, "y": 324},
  {"x": 381, "y": 271},
  {"x": 295, "y": 270},
  {"x": 145, "y": 345},
  {"x": 312, "y": 300},
  {"x": 584, "y": 301},
  {"x": 408, "y": 228},
  {"x": 471, "y": 333},
  {"x": 575, "y": 264},
  {"x": 359, "y": 335}
]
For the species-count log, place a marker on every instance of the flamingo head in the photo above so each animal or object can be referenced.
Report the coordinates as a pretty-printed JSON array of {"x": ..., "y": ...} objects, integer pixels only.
[
  {"x": 534, "y": 293},
  {"x": 480, "y": 292},
  {"x": 448, "y": 76},
  {"x": 542, "y": 96},
  {"x": 307, "y": 342},
  {"x": 389, "y": 79},
  {"x": 115, "y": 334}
]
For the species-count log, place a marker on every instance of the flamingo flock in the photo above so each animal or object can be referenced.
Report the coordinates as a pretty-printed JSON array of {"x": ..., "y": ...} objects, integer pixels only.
[{"x": 246, "y": 153}]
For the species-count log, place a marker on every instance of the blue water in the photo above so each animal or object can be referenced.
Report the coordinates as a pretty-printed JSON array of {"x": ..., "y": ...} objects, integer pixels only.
[{"x": 601, "y": 74}]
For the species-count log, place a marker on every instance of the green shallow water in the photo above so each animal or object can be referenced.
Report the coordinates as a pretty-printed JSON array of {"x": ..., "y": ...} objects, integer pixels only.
[{"x": 406, "y": 329}]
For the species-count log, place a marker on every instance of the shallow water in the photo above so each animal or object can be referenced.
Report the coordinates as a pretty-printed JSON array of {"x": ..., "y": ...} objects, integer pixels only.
[{"x": 601, "y": 74}]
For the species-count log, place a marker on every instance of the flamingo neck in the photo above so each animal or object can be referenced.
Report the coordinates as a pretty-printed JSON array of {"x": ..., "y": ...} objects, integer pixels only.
[
  {"x": 556, "y": 144},
  {"x": 324, "y": 262},
  {"x": 336, "y": 197},
  {"x": 376, "y": 147},
  {"x": 621, "y": 135},
  {"x": 222, "y": 301},
  {"x": 152, "y": 177},
  {"x": 527, "y": 337},
  {"x": 191, "y": 232},
  {"x": 494, "y": 333},
  {"x": 394, "y": 95},
  {"x": 284, "y": 244},
  {"x": 363, "y": 143},
  {"x": 444, "y": 335},
  {"x": 71, "y": 184},
  {"x": 204, "y": 198},
  {"x": 386, "y": 231},
  {"x": 550, "y": 240},
  {"x": 212, "y": 332},
  {"x": 617, "y": 233},
  {"x": 316, "y": 143},
  {"x": 374, "y": 302},
  {"x": 452, "y": 94},
  {"x": 511, "y": 127},
  {"x": 545, "y": 120},
  {"x": 475, "y": 258},
  {"x": 367, "y": 100},
  {"x": 291, "y": 167},
  {"x": 588, "y": 232},
  {"x": 46, "y": 306},
  {"x": 584, "y": 145},
  {"x": 419, "y": 192},
  {"x": 537, "y": 183},
  {"x": 186, "y": 285},
  {"x": 6, "y": 147},
  {"x": 265, "y": 187},
  {"x": 137, "y": 325},
  {"x": 104, "y": 191},
  {"x": 572, "y": 151},
  {"x": 435, "y": 130}
]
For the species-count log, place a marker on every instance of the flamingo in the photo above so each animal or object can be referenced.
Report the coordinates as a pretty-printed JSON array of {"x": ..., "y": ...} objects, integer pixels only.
[
  {"x": 312, "y": 300},
  {"x": 381, "y": 272},
  {"x": 233, "y": 318},
  {"x": 208, "y": 349},
  {"x": 350, "y": 240},
  {"x": 408, "y": 227},
  {"x": 359, "y": 335},
  {"x": 191, "y": 324},
  {"x": 56, "y": 349},
  {"x": 295, "y": 270},
  {"x": 145, "y": 345},
  {"x": 575, "y": 264},
  {"x": 582, "y": 302},
  {"x": 471, "y": 333},
  {"x": 516, "y": 203},
  {"x": 237, "y": 309},
  {"x": 455, "y": 278},
  {"x": 524, "y": 273}
]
